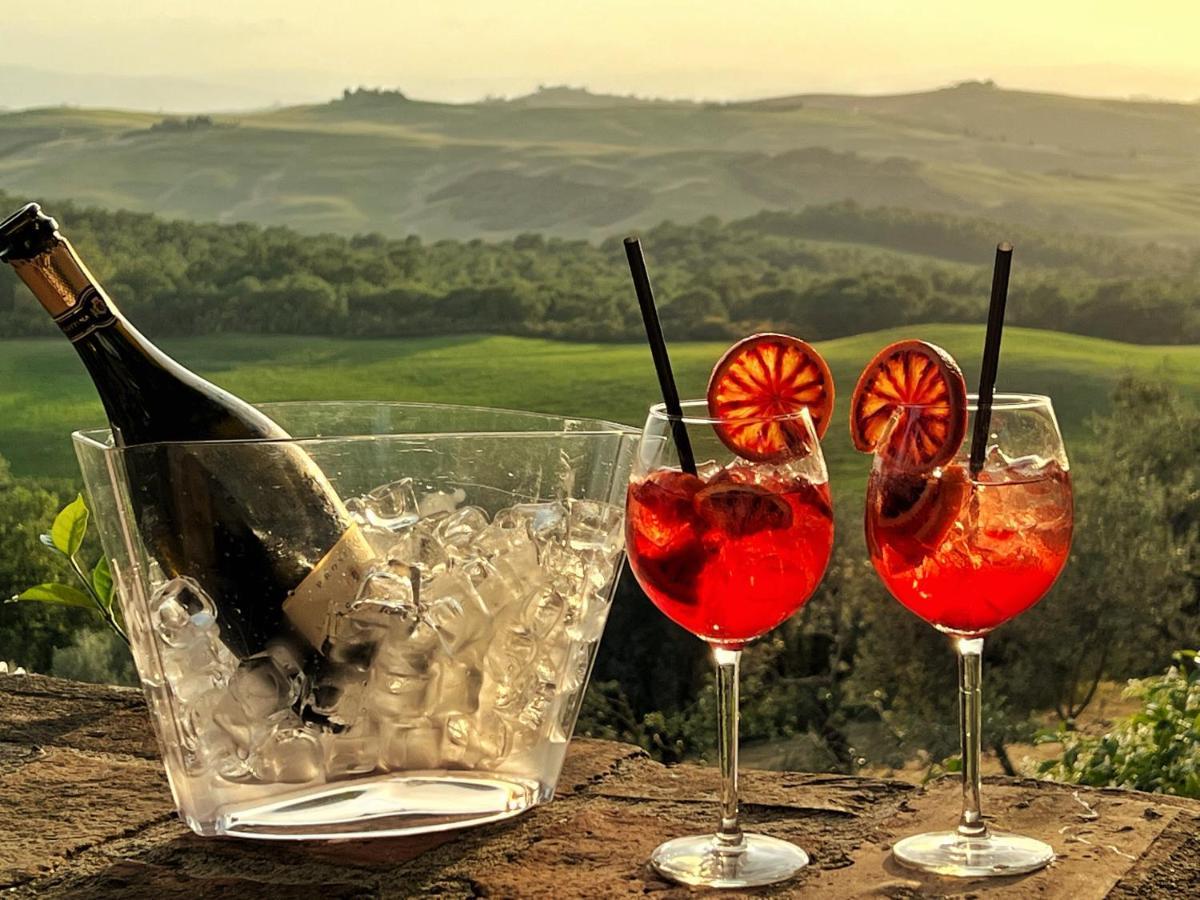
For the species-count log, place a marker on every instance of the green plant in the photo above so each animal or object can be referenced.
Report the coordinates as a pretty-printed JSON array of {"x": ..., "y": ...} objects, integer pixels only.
[
  {"x": 1155, "y": 749},
  {"x": 66, "y": 538}
]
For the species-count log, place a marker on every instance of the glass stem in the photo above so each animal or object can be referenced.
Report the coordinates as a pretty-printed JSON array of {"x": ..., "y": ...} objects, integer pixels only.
[
  {"x": 729, "y": 834},
  {"x": 970, "y": 721}
]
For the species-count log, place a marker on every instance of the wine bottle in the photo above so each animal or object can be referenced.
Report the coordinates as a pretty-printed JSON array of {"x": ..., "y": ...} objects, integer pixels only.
[{"x": 219, "y": 491}]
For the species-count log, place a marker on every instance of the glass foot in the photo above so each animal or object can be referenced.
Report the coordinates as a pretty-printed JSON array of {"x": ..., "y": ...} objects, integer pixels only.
[
  {"x": 949, "y": 853},
  {"x": 704, "y": 861}
]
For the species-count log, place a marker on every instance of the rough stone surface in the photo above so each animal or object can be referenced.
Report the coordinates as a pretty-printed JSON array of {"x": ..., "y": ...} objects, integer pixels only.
[{"x": 85, "y": 812}]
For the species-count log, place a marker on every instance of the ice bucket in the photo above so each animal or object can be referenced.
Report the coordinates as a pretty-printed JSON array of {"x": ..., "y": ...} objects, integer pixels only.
[{"x": 442, "y": 698}]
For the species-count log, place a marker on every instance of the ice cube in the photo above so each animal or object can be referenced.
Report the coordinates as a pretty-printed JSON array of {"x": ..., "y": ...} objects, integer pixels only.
[
  {"x": 407, "y": 652},
  {"x": 545, "y": 522},
  {"x": 592, "y": 525},
  {"x": 261, "y": 688},
  {"x": 510, "y": 533},
  {"x": 454, "y": 688},
  {"x": 354, "y": 751},
  {"x": 586, "y": 616},
  {"x": 198, "y": 667},
  {"x": 234, "y": 767},
  {"x": 391, "y": 506},
  {"x": 543, "y": 612},
  {"x": 575, "y": 672},
  {"x": 708, "y": 470},
  {"x": 468, "y": 741},
  {"x": 396, "y": 697},
  {"x": 460, "y": 529},
  {"x": 339, "y": 695},
  {"x": 511, "y": 652},
  {"x": 181, "y": 612},
  {"x": 441, "y": 502},
  {"x": 452, "y": 606},
  {"x": 386, "y": 603},
  {"x": 291, "y": 754},
  {"x": 477, "y": 569},
  {"x": 563, "y": 721},
  {"x": 537, "y": 706},
  {"x": 550, "y": 662},
  {"x": 420, "y": 546},
  {"x": 410, "y": 746},
  {"x": 507, "y": 695},
  {"x": 203, "y": 743},
  {"x": 514, "y": 576}
]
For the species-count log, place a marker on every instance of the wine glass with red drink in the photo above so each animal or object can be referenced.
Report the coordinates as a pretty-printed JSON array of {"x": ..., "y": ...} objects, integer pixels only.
[
  {"x": 732, "y": 548},
  {"x": 966, "y": 545}
]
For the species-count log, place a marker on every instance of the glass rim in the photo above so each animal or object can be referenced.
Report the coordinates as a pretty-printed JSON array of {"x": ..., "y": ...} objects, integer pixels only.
[
  {"x": 659, "y": 412},
  {"x": 1001, "y": 401},
  {"x": 99, "y": 438}
]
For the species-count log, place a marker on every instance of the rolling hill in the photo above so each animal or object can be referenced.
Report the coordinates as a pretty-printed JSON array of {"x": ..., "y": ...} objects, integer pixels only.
[
  {"x": 47, "y": 394},
  {"x": 566, "y": 162}
]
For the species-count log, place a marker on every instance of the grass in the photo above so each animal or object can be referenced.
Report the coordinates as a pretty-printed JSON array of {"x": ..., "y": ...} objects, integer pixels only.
[{"x": 47, "y": 393}]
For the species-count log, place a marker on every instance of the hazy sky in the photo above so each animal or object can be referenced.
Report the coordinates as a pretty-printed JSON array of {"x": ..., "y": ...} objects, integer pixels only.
[{"x": 289, "y": 50}]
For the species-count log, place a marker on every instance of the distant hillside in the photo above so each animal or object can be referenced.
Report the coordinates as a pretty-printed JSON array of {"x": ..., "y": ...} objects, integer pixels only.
[{"x": 569, "y": 163}]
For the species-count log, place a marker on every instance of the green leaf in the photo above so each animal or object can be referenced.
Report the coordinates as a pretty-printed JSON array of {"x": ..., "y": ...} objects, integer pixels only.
[
  {"x": 49, "y": 542},
  {"x": 102, "y": 582},
  {"x": 70, "y": 526},
  {"x": 60, "y": 594}
]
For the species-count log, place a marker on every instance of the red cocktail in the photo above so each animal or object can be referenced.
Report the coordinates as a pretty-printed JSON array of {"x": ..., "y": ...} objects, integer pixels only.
[
  {"x": 968, "y": 554},
  {"x": 731, "y": 547},
  {"x": 966, "y": 537},
  {"x": 730, "y": 557}
]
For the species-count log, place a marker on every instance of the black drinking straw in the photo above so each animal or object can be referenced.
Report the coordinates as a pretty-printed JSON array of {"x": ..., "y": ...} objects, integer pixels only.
[
  {"x": 658, "y": 349},
  {"x": 991, "y": 355}
]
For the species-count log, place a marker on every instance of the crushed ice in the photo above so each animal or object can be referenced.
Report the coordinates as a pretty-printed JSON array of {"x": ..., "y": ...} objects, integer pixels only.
[{"x": 470, "y": 640}]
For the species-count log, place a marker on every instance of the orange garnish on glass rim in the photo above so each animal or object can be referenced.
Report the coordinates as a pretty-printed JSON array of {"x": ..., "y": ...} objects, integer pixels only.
[
  {"x": 925, "y": 378},
  {"x": 765, "y": 376}
]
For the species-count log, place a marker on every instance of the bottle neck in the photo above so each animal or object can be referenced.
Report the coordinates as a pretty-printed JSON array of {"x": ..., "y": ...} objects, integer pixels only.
[{"x": 67, "y": 290}]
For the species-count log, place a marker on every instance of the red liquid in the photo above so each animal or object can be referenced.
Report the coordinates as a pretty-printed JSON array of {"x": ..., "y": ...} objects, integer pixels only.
[
  {"x": 968, "y": 556},
  {"x": 728, "y": 559}
]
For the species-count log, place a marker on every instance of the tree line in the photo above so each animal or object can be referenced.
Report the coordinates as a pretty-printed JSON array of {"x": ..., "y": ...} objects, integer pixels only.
[{"x": 824, "y": 272}]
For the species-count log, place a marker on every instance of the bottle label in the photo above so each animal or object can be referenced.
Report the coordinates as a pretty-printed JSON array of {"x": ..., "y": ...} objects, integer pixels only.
[
  {"x": 90, "y": 312},
  {"x": 330, "y": 587}
]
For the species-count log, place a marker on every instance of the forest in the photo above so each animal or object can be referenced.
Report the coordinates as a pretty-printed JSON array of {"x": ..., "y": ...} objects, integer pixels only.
[{"x": 824, "y": 272}]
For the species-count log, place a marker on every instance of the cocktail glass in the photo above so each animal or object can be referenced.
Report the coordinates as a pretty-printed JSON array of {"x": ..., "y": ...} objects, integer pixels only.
[
  {"x": 728, "y": 554},
  {"x": 966, "y": 552}
]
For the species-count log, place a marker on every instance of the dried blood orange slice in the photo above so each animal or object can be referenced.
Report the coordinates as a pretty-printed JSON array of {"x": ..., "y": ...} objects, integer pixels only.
[
  {"x": 932, "y": 428},
  {"x": 660, "y": 515},
  {"x": 917, "y": 511},
  {"x": 739, "y": 510},
  {"x": 763, "y": 376}
]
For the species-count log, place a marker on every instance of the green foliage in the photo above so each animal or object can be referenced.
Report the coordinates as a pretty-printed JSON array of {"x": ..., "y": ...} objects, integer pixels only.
[
  {"x": 61, "y": 594},
  {"x": 1155, "y": 749},
  {"x": 70, "y": 525},
  {"x": 98, "y": 656},
  {"x": 29, "y": 632},
  {"x": 66, "y": 537}
]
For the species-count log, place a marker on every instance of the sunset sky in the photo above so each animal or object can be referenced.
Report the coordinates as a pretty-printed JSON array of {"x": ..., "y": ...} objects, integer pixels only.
[{"x": 293, "y": 50}]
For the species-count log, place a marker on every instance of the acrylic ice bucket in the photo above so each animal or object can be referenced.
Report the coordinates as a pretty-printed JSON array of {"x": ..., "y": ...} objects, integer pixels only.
[{"x": 445, "y": 698}]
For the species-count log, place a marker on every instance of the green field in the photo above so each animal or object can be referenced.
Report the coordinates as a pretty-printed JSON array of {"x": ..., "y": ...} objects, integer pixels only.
[{"x": 46, "y": 392}]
